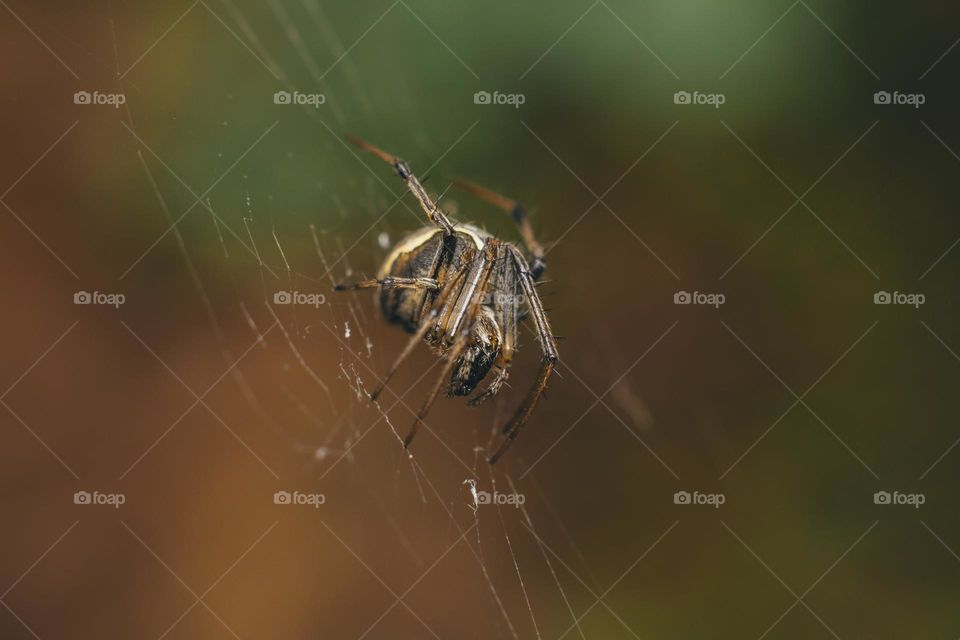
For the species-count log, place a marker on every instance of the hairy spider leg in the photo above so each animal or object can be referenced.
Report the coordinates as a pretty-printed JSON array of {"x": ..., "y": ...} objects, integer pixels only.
[
  {"x": 445, "y": 269},
  {"x": 506, "y": 310},
  {"x": 548, "y": 346},
  {"x": 519, "y": 215},
  {"x": 431, "y": 307},
  {"x": 415, "y": 339},
  {"x": 436, "y": 216},
  {"x": 472, "y": 294},
  {"x": 389, "y": 283}
]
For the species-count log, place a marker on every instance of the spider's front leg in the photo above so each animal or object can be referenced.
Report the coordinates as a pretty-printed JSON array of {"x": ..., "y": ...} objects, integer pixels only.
[{"x": 403, "y": 170}]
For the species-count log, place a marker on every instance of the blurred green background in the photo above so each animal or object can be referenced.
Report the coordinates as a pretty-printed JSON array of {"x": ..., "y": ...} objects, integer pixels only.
[{"x": 798, "y": 200}]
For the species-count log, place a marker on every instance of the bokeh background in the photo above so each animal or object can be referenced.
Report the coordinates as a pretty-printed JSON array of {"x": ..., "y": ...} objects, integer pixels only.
[{"x": 198, "y": 398}]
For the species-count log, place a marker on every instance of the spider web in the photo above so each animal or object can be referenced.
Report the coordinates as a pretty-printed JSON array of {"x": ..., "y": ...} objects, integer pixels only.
[{"x": 317, "y": 363}]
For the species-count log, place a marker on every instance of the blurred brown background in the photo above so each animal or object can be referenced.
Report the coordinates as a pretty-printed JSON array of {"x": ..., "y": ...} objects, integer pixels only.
[{"x": 798, "y": 199}]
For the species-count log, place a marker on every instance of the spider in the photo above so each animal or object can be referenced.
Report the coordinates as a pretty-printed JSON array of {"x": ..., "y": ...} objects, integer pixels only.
[{"x": 455, "y": 286}]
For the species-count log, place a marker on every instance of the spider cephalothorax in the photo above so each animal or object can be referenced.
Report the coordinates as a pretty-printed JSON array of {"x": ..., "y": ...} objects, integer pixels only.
[{"x": 463, "y": 291}]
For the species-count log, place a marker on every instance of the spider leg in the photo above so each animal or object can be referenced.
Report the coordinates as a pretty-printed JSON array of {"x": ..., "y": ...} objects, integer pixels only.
[
  {"x": 519, "y": 215},
  {"x": 465, "y": 311},
  {"x": 403, "y": 170},
  {"x": 407, "y": 350},
  {"x": 452, "y": 356},
  {"x": 505, "y": 311},
  {"x": 548, "y": 346},
  {"x": 493, "y": 388},
  {"x": 389, "y": 283},
  {"x": 415, "y": 339}
]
